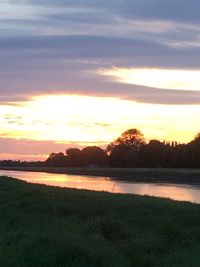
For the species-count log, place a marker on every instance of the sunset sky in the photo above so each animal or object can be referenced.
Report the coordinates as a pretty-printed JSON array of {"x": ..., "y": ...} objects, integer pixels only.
[{"x": 77, "y": 73}]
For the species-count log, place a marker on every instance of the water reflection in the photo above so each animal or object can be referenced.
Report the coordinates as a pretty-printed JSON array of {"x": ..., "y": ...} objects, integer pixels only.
[{"x": 173, "y": 191}]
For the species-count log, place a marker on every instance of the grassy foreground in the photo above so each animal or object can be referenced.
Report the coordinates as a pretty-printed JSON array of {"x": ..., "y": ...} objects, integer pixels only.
[{"x": 48, "y": 226}]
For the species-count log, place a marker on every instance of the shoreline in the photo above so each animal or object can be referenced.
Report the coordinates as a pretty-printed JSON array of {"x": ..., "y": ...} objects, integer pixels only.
[{"x": 152, "y": 175}]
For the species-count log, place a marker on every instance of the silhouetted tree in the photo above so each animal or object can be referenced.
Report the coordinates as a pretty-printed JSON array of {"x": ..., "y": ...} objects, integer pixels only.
[
  {"x": 193, "y": 152},
  {"x": 131, "y": 139},
  {"x": 93, "y": 155},
  {"x": 129, "y": 150},
  {"x": 74, "y": 157},
  {"x": 153, "y": 154},
  {"x": 57, "y": 160},
  {"x": 124, "y": 150}
]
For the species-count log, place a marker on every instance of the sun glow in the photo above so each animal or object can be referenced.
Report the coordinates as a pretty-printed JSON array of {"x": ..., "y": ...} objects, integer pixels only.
[
  {"x": 85, "y": 120},
  {"x": 157, "y": 78}
]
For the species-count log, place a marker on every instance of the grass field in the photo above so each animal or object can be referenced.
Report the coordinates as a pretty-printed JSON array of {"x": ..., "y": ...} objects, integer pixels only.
[
  {"x": 187, "y": 176},
  {"x": 47, "y": 226}
]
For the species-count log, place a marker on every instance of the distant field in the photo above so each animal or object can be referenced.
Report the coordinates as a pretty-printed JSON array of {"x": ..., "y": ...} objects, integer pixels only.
[
  {"x": 49, "y": 226},
  {"x": 129, "y": 174}
]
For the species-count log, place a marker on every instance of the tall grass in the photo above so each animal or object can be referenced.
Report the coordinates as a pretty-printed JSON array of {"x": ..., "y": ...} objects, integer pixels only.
[{"x": 48, "y": 226}]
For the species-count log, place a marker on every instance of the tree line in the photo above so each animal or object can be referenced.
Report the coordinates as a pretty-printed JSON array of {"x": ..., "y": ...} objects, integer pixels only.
[{"x": 129, "y": 150}]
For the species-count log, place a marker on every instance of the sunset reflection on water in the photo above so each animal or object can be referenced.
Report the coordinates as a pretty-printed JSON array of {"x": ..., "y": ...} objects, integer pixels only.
[{"x": 173, "y": 191}]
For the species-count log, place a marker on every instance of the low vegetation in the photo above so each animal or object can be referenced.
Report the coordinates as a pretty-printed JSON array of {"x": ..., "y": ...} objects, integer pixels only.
[{"x": 49, "y": 226}]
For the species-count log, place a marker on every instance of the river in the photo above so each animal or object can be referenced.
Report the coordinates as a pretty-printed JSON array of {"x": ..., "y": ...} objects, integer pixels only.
[{"x": 181, "y": 192}]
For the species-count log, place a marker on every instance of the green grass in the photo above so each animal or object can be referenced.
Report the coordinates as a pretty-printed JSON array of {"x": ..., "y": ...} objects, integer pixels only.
[{"x": 48, "y": 226}]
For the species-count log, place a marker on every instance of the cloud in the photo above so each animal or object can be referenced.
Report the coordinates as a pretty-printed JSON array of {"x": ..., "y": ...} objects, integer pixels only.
[
  {"x": 24, "y": 149},
  {"x": 59, "y": 46},
  {"x": 33, "y": 65},
  {"x": 176, "y": 10},
  {"x": 29, "y": 147}
]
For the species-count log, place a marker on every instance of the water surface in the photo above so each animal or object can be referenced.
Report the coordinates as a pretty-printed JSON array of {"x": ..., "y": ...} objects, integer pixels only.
[{"x": 174, "y": 191}]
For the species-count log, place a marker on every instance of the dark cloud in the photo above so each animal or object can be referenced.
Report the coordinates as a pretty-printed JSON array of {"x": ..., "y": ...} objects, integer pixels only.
[
  {"x": 90, "y": 52},
  {"x": 62, "y": 44},
  {"x": 80, "y": 17},
  {"x": 69, "y": 64},
  {"x": 175, "y": 10}
]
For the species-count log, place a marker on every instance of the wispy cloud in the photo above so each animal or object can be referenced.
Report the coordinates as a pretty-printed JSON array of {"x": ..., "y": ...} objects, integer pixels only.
[{"x": 65, "y": 64}]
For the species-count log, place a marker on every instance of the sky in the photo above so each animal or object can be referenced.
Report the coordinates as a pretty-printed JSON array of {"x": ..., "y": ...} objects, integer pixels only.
[{"x": 78, "y": 73}]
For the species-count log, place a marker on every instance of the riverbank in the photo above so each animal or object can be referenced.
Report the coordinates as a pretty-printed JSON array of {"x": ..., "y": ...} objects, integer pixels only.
[
  {"x": 186, "y": 176},
  {"x": 51, "y": 226}
]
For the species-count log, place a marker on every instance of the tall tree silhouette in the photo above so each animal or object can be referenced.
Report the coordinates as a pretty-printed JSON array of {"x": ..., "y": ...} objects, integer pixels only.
[
  {"x": 131, "y": 139},
  {"x": 124, "y": 150}
]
